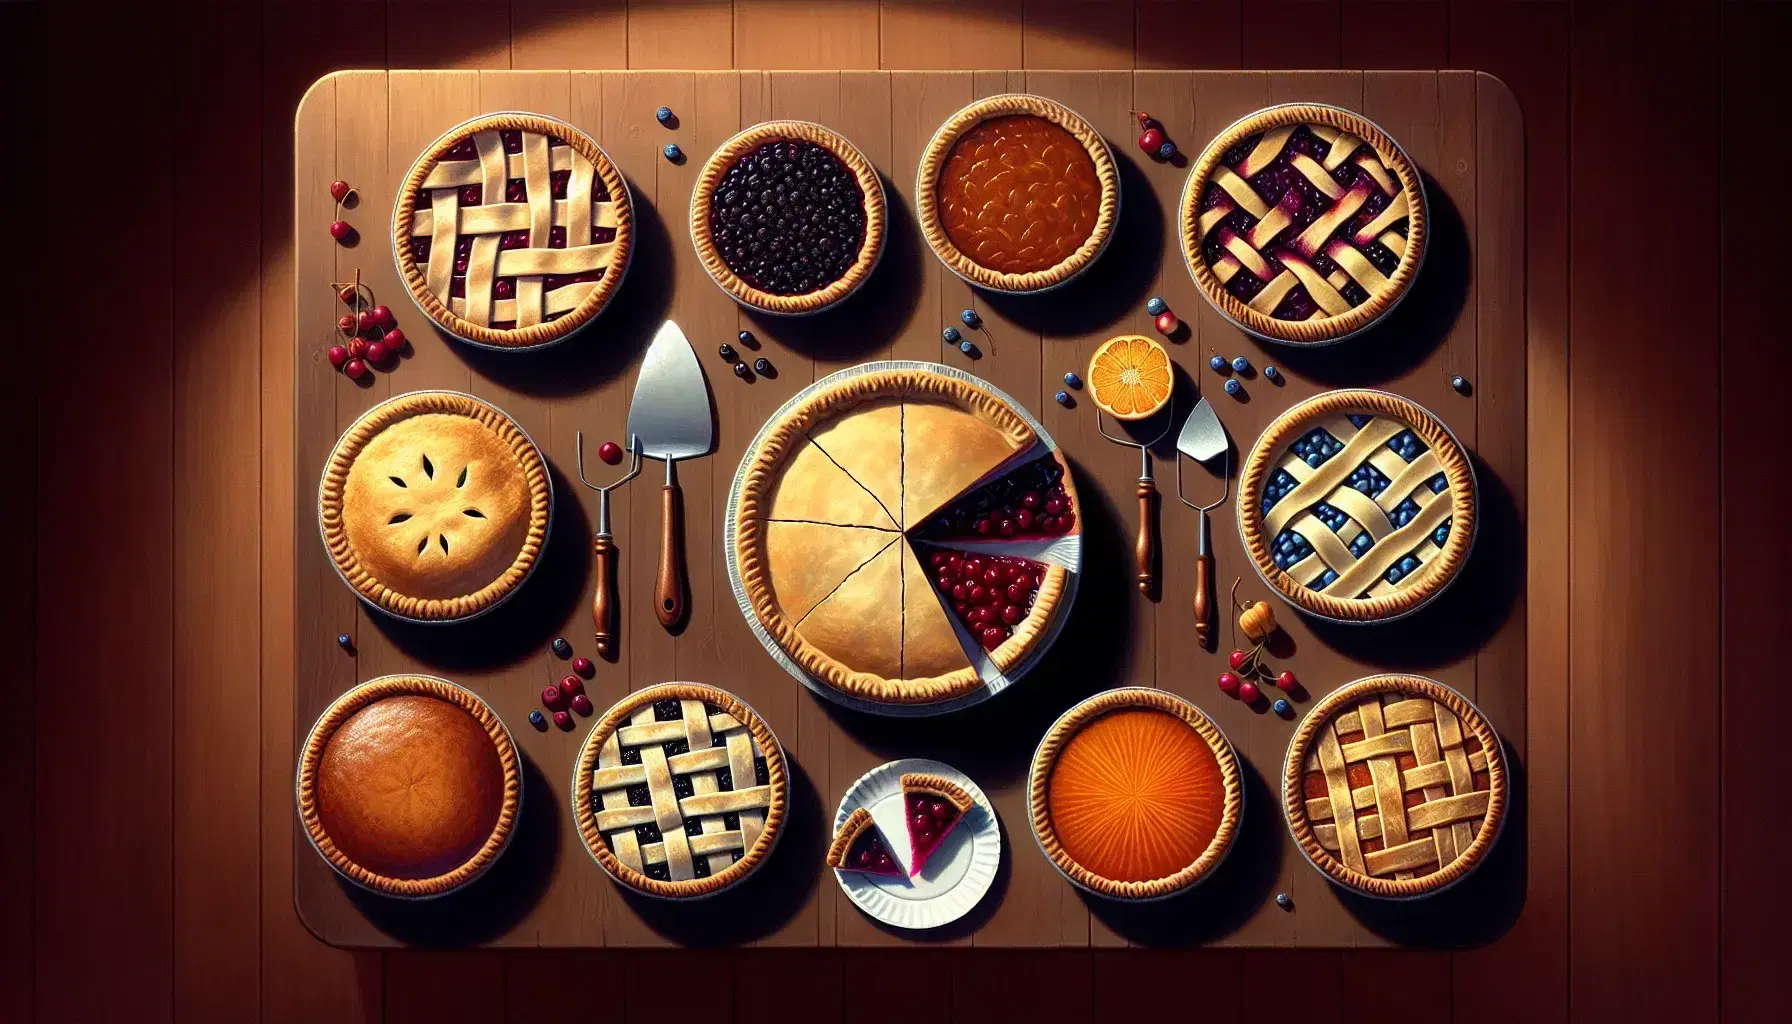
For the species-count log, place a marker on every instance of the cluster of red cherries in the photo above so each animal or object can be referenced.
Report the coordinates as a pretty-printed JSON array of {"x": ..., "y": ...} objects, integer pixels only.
[
  {"x": 1250, "y": 676},
  {"x": 371, "y": 337},
  {"x": 568, "y": 693},
  {"x": 990, "y": 593}
]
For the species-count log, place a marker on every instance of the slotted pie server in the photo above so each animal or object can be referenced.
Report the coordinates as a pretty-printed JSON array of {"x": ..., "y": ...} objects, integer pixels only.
[
  {"x": 670, "y": 418},
  {"x": 1203, "y": 437}
]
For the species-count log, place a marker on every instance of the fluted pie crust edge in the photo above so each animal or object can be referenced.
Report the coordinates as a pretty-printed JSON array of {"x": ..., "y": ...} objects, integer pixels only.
[
  {"x": 1067, "y": 726},
  {"x": 344, "y": 708},
  {"x": 703, "y": 198},
  {"x": 1294, "y": 797},
  {"x": 404, "y": 215},
  {"x": 1452, "y": 460},
  {"x": 775, "y": 774},
  {"x": 1319, "y": 329},
  {"x": 939, "y": 149},
  {"x": 954, "y": 794},
  {"x": 335, "y": 479}
]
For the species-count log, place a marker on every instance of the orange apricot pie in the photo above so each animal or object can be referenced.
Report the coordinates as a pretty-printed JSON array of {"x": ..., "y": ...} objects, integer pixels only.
[{"x": 1135, "y": 794}]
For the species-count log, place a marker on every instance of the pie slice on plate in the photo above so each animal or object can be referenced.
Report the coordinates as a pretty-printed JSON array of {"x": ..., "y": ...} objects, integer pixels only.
[
  {"x": 933, "y": 806},
  {"x": 859, "y": 846}
]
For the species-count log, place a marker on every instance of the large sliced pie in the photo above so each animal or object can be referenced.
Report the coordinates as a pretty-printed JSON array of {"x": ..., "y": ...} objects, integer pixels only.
[{"x": 880, "y": 540}]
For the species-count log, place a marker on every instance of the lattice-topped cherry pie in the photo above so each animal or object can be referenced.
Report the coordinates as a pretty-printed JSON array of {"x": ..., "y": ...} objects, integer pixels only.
[
  {"x": 680, "y": 790},
  {"x": 513, "y": 230},
  {"x": 1304, "y": 223},
  {"x": 1357, "y": 505},
  {"x": 1395, "y": 786}
]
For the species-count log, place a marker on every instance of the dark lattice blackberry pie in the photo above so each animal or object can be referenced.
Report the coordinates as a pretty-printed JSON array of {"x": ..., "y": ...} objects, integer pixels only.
[{"x": 788, "y": 217}]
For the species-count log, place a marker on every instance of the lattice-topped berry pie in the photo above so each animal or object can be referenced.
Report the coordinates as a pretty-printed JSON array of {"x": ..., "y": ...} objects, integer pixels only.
[
  {"x": 1395, "y": 786},
  {"x": 1357, "y": 505},
  {"x": 680, "y": 790},
  {"x": 513, "y": 230},
  {"x": 435, "y": 506},
  {"x": 1304, "y": 223},
  {"x": 788, "y": 217}
]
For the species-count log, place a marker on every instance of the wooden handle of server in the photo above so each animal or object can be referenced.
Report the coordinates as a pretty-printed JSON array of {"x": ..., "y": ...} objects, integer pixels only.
[
  {"x": 1203, "y": 603},
  {"x": 603, "y": 602},
  {"x": 668, "y": 591},
  {"x": 1147, "y": 541}
]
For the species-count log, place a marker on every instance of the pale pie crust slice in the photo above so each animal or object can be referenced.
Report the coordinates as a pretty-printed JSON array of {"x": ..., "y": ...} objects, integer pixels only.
[
  {"x": 814, "y": 488},
  {"x": 944, "y": 451},
  {"x": 810, "y": 560},
  {"x": 930, "y": 646},
  {"x": 867, "y": 444},
  {"x": 854, "y": 625}
]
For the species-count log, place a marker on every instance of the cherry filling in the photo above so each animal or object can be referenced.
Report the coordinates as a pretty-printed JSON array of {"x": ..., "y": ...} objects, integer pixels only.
[
  {"x": 1029, "y": 502},
  {"x": 929, "y": 819},
  {"x": 871, "y": 854},
  {"x": 1280, "y": 184},
  {"x": 991, "y": 594},
  {"x": 516, "y": 190}
]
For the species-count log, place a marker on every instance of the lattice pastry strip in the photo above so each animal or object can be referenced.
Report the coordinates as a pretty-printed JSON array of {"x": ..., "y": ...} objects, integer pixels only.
[
  {"x": 1424, "y": 797},
  {"x": 648, "y": 822},
  {"x": 515, "y": 254}
]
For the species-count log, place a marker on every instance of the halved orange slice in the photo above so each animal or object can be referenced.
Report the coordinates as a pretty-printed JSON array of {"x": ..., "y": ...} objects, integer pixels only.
[{"x": 1130, "y": 377}]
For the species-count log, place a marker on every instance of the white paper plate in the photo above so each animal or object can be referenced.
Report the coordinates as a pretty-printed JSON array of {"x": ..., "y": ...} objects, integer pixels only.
[{"x": 958, "y": 874}]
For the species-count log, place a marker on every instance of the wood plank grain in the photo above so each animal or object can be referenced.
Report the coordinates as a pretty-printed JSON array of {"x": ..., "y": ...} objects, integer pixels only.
[
  {"x": 217, "y": 800},
  {"x": 1628, "y": 325},
  {"x": 950, "y": 35},
  {"x": 805, "y": 34},
  {"x": 104, "y": 764},
  {"x": 1293, "y": 34},
  {"x": 562, "y": 34},
  {"x": 1128, "y": 984},
  {"x": 1177, "y": 34},
  {"x": 1066, "y": 34},
  {"x": 1412, "y": 34},
  {"x": 447, "y": 34},
  {"x": 437, "y": 986},
  {"x": 680, "y": 34}
]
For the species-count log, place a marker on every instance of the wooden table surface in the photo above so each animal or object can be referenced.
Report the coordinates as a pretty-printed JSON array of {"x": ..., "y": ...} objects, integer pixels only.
[
  {"x": 153, "y": 783},
  {"x": 367, "y": 127}
]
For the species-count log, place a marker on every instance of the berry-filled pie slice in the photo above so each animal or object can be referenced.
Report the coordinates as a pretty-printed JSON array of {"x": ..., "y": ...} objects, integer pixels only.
[
  {"x": 932, "y": 806},
  {"x": 1032, "y": 501},
  {"x": 992, "y": 595},
  {"x": 859, "y": 846}
]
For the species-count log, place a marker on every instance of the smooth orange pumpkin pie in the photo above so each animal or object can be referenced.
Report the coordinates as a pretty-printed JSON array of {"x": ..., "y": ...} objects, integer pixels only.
[
  {"x": 1135, "y": 794},
  {"x": 409, "y": 786},
  {"x": 893, "y": 533},
  {"x": 435, "y": 506},
  {"x": 1017, "y": 193}
]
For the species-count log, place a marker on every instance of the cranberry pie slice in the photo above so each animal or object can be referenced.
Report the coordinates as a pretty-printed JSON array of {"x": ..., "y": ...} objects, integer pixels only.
[
  {"x": 1033, "y": 501},
  {"x": 859, "y": 846},
  {"x": 932, "y": 805},
  {"x": 992, "y": 595}
]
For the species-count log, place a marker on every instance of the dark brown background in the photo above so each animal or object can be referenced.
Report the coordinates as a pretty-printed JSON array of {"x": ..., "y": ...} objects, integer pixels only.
[{"x": 152, "y": 780}]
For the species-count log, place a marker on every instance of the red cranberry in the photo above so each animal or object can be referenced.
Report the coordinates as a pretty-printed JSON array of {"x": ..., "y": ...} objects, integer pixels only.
[
  {"x": 939, "y": 810},
  {"x": 551, "y": 696},
  {"x": 1286, "y": 682},
  {"x": 1023, "y": 518},
  {"x": 340, "y": 230},
  {"x": 355, "y": 368},
  {"x": 581, "y": 704},
  {"x": 610, "y": 452},
  {"x": 976, "y": 594},
  {"x": 1054, "y": 506},
  {"x": 992, "y": 576},
  {"x": 347, "y": 295},
  {"x": 938, "y": 560},
  {"x": 1006, "y": 528},
  {"x": 963, "y": 610},
  {"x": 504, "y": 289},
  {"x": 346, "y": 324},
  {"x": 563, "y": 720},
  {"x": 394, "y": 340},
  {"x": 960, "y": 592},
  {"x": 992, "y": 637},
  {"x": 571, "y": 686},
  {"x": 1011, "y": 614},
  {"x": 339, "y": 190},
  {"x": 1065, "y": 522},
  {"x": 1247, "y": 692},
  {"x": 383, "y": 316},
  {"x": 583, "y": 667},
  {"x": 1229, "y": 684},
  {"x": 983, "y": 526},
  {"x": 377, "y": 352},
  {"x": 1150, "y": 139},
  {"x": 338, "y": 356},
  {"x": 1048, "y": 523},
  {"x": 357, "y": 347},
  {"x": 1017, "y": 592},
  {"x": 1237, "y": 659},
  {"x": 1031, "y": 500}
]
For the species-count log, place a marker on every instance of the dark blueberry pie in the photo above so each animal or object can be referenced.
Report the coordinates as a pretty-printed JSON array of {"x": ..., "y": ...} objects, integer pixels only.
[
  {"x": 788, "y": 217},
  {"x": 1304, "y": 223},
  {"x": 1357, "y": 505}
]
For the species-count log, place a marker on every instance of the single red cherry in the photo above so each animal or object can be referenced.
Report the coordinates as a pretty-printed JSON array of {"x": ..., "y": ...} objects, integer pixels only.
[
  {"x": 346, "y": 323},
  {"x": 347, "y": 295},
  {"x": 992, "y": 637},
  {"x": 1228, "y": 684},
  {"x": 340, "y": 230},
  {"x": 1286, "y": 682},
  {"x": 1064, "y": 523},
  {"x": 1055, "y": 506},
  {"x": 551, "y": 696},
  {"x": 582, "y": 666},
  {"x": 581, "y": 704},
  {"x": 377, "y": 352},
  {"x": 571, "y": 686},
  {"x": 338, "y": 356},
  {"x": 563, "y": 720},
  {"x": 1011, "y": 614},
  {"x": 394, "y": 340},
  {"x": 1007, "y": 527},
  {"x": 983, "y": 526},
  {"x": 383, "y": 316},
  {"x": 355, "y": 368},
  {"x": 357, "y": 347},
  {"x": 611, "y": 453},
  {"x": 1247, "y": 692},
  {"x": 1150, "y": 139},
  {"x": 364, "y": 321},
  {"x": 339, "y": 190},
  {"x": 1237, "y": 659},
  {"x": 1024, "y": 519},
  {"x": 1031, "y": 500},
  {"x": 1167, "y": 322}
]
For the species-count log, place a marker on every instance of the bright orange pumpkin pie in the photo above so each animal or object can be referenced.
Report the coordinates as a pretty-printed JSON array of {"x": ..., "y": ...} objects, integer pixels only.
[{"x": 1135, "y": 794}]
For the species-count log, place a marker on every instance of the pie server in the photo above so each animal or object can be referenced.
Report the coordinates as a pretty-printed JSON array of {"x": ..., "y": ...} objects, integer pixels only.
[
  {"x": 1203, "y": 437},
  {"x": 671, "y": 418}
]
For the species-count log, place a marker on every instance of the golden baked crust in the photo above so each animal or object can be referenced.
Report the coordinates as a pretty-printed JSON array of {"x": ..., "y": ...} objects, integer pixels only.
[
  {"x": 703, "y": 195},
  {"x": 940, "y": 786},
  {"x": 853, "y": 625},
  {"x": 1418, "y": 737},
  {"x": 808, "y": 562},
  {"x": 1321, "y": 328},
  {"x": 434, "y": 536},
  {"x": 931, "y": 427},
  {"x": 814, "y": 488},
  {"x": 867, "y": 445},
  {"x": 1414, "y": 589},
  {"x": 594, "y": 167},
  {"x": 938, "y": 152},
  {"x": 855, "y": 824},
  {"x": 761, "y": 812},
  {"x": 1067, "y": 726},
  {"x": 312, "y": 758}
]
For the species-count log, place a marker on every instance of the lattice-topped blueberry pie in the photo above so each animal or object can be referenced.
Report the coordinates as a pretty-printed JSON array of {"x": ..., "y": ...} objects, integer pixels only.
[{"x": 1357, "y": 505}]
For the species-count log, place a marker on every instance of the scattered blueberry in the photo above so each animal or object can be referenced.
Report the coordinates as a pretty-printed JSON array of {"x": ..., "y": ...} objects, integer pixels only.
[
  {"x": 951, "y": 335},
  {"x": 1167, "y": 150},
  {"x": 762, "y": 365},
  {"x": 663, "y": 115},
  {"x": 1460, "y": 383},
  {"x": 562, "y": 649},
  {"x": 344, "y": 641},
  {"x": 1156, "y": 305},
  {"x": 1284, "y": 901},
  {"x": 745, "y": 338},
  {"x": 1271, "y": 373},
  {"x": 1240, "y": 364},
  {"x": 673, "y": 153},
  {"x": 967, "y": 348},
  {"x": 1233, "y": 387},
  {"x": 969, "y": 317},
  {"x": 741, "y": 370},
  {"x": 1219, "y": 364},
  {"x": 538, "y": 720},
  {"x": 1281, "y": 707},
  {"x": 1072, "y": 380},
  {"x": 727, "y": 353},
  {"x": 1063, "y": 398}
]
